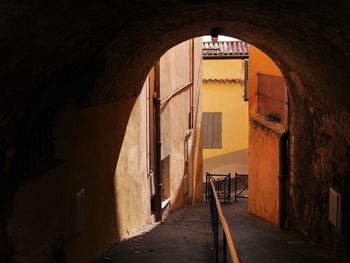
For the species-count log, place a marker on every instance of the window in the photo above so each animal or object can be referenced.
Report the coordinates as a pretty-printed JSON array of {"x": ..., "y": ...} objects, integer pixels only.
[
  {"x": 246, "y": 83},
  {"x": 212, "y": 130}
]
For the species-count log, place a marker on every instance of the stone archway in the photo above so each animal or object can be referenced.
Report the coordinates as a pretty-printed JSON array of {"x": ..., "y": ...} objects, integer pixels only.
[{"x": 117, "y": 43}]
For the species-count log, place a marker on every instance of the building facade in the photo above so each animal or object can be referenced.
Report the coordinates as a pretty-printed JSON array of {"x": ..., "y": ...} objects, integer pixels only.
[
  {"x": 225, "y": 107},
  {"x": 169, "y": 106},
  {"x": 267, "y": 139}
]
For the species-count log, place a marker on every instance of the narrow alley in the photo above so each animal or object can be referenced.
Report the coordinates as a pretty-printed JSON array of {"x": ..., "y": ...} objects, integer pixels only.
[
  {"x": 113, "y": 112},
  {"x": 186, "y": 237}
]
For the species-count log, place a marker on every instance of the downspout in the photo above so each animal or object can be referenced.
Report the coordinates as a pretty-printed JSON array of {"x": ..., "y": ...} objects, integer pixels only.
[
  {"x": 283, "y": 176},
  {"x": 158, "y": 143},
  {"x": 192, "y": 87}
]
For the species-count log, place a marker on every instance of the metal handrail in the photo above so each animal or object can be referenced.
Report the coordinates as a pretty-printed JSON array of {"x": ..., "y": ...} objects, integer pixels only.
[{"x": 216, "y": 214}]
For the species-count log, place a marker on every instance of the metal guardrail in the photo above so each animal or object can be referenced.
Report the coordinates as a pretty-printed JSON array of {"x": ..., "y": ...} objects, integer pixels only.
[
  {"x": 216, "y": 216},
  {"x": 244, "y": 184},
  {"x": 222, "y": 183}
]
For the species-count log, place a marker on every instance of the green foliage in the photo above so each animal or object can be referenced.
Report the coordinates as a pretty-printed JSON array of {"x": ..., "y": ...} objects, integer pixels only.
[{"x": 273, "y": 116}]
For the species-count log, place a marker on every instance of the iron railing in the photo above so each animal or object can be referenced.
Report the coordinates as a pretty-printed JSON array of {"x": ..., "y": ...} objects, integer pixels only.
[
  {"x": 241, "y": 179},
  {"x": 217, "y": 216},
  {"x": 222, "y": 183}
]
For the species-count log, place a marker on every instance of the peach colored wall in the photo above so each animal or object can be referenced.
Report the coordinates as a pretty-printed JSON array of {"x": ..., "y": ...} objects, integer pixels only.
[
  {"x": 264, "y": 140},
  {"x": 132, "y": 184},
  {"x": 175, "y": 72},
  {"x": 263, "y": 179},
  {"x": 197, "y": 150},
  {"x": 259, "y": 62}
]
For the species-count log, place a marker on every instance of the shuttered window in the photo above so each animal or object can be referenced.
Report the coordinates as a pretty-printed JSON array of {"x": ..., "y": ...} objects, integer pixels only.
[
  {"x": 246, "y": 80},
  {"x": 212, "y": 130}
]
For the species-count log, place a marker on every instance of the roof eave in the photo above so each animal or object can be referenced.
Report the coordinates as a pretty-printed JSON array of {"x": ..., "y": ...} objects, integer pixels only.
[{"x": 225, "y": 57}]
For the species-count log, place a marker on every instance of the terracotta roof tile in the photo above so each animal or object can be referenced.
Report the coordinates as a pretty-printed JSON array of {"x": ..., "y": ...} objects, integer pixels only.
[
  {"x": 222, "y": 81},
  {"x": 225, "y": 49}
]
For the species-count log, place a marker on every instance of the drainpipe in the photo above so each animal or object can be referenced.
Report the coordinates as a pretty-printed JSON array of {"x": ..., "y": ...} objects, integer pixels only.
[
  {"x": 283, "y": 176},
  {"x": 157, "y": 102},
  {"x": 192, "y": 86}
]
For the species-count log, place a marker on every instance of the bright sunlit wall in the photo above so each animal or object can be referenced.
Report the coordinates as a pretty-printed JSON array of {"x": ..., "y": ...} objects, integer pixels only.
[{"x": 225, "y": 96}]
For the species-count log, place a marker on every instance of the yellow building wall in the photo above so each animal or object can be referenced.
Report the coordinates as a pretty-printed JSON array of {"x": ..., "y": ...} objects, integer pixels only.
[
  {"x": 223, "y": 69},
  {"x": 228, "y": 99}
]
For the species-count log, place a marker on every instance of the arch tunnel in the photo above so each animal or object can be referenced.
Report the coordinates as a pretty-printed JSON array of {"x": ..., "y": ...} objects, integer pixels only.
[{"x": 98, "y": 55}]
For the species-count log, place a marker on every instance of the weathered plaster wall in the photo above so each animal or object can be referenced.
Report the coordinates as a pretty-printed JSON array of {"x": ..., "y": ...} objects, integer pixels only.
[
  {"x": 175, "y": 69},
  {"x": 175, "y": 72},
  {"x": 132, "y": 184},
  {"x": 174, "y": 121},
  {"x": 264, "y": 169},
  {"x": 43, "y": 210},
  {"x": 197, "y": 150},
  {"x": 264, "y": 147}
]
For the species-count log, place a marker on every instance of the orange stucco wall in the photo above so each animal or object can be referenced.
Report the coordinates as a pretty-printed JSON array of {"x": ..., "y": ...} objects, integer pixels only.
[
  {"x": 264, "y": 140},
  {"x": 264, "y": 169}
]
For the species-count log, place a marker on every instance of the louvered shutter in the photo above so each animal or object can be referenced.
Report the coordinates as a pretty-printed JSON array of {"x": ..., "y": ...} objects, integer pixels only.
[{"x": 212, "y": 130}]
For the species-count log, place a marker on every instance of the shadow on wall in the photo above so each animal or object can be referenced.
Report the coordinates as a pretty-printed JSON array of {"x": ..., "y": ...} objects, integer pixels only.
[{"x": 227, "y": 163}]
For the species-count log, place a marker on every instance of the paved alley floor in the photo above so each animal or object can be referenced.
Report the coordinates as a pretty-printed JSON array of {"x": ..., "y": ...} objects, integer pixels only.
[
  {"x": 186, "y": 237},
  {"x": 259, "y": 241}
]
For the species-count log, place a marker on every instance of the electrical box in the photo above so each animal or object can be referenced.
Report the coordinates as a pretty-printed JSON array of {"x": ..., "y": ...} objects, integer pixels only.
[{"x": 334, "y": 207}]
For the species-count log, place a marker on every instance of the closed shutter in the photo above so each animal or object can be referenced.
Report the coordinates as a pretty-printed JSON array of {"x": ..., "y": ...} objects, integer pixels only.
[
  {"x": 212, "y": 130},
  {"x": 246, "y": 80}
]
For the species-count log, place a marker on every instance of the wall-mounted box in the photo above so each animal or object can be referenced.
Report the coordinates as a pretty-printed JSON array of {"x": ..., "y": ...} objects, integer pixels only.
[{"x": 334, "y": 207}]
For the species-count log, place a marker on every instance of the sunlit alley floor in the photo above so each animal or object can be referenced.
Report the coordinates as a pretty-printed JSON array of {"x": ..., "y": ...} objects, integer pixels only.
[{"x": 186, "y": 237}]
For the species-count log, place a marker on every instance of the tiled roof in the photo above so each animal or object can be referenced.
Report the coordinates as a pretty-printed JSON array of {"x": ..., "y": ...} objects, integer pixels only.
[
  {"x": 221, "y": 81},
  {"x": 229, "y": 49}
]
